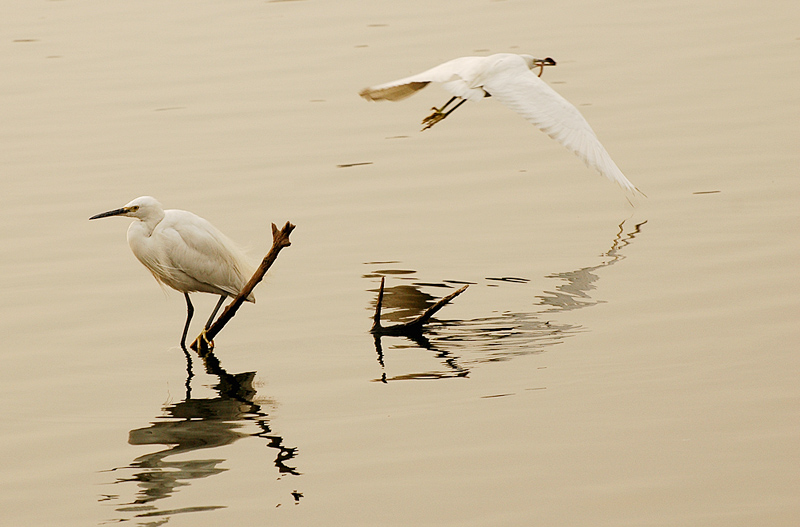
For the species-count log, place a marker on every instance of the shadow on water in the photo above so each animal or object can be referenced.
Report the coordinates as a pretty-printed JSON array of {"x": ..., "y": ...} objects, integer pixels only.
[
  {"x": 187, "y": 427},
  {"x": 459, "y": 345}
]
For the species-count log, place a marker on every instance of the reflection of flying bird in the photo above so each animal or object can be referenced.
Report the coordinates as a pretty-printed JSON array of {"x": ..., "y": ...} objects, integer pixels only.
[
  {"x": 510, "y": 79},
  {"x": 184, "y": 252},
  {"x": 462, "y": 345}
]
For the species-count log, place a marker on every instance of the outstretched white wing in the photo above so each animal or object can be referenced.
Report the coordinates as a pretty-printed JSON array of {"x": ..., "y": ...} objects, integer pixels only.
[
  {"x": 509, "y": 79},
  {"x": 512, "y": 83},
  {"x": 458, "y": 76}
]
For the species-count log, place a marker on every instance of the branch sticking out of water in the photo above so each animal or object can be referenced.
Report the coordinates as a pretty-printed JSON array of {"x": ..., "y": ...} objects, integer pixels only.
[
  {"x": 413, "y": 327},
  {"x": 280, "y": 239}
]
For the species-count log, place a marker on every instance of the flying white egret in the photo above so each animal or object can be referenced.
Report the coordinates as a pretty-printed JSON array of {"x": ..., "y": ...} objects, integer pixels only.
[
  {"x": 184, "y": 252},
  {"x": 509, "y": 78}
]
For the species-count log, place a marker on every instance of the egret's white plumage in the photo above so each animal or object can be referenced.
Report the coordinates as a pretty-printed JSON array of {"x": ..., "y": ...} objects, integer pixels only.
[
  {"x": 184, "y": 251},
  {"x": 509, "y": 78}
]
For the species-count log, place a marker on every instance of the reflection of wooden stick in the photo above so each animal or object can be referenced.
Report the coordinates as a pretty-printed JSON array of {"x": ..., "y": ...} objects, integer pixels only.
[
  {"x": 376, "y": 320},
  {"x": 280, "y": 239},
  {"x": 414, "y": 326}
]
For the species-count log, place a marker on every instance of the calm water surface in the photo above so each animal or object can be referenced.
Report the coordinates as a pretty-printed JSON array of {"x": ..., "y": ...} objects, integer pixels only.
[{"x": 608, "y": 364}]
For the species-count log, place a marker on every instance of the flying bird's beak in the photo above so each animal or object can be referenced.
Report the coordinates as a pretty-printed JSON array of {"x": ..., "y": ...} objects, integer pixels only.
[
  {"x": 545, "y": 62},
  {"x": 541, "y": 63},
  {"x": 115, "y": 212}
]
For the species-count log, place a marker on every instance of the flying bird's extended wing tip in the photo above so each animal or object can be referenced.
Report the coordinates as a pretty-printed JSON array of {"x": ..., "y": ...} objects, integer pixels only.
[
  {"x": 599, "y": 159},
  {"x": 629, "y": 188},
  {"x": 619, "y": 178},
  {"x": 636, "y": 192}
]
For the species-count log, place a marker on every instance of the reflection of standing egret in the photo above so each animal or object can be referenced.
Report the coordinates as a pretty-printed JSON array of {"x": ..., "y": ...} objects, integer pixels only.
[
  {"x": 509, "y": 78},
  {"x": 196, "y": 425},
  {"x": 184, "y": 252}
]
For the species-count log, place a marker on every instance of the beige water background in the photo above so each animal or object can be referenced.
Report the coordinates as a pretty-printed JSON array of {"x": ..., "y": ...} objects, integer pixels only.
[{"x": 609, "y": 365}]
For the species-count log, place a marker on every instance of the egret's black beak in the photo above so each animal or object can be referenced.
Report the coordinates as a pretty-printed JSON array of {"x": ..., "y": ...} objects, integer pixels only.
[{"x": 115, "y": 212}]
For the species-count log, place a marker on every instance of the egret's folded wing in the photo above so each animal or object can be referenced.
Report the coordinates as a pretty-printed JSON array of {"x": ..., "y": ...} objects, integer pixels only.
[
  {"x": 207, "y": 255},
  {"x": 529, "y": 96},
  {"x": 455, "y": 74}
]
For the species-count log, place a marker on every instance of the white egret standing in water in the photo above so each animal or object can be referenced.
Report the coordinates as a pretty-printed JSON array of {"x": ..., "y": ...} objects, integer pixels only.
[
  {"x": 184, "y": 252},
  {"x": 510, "y": 79}
]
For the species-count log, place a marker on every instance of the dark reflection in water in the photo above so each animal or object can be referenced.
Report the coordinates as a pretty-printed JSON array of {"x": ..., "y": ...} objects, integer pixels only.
[
  {"x": 460, "y": 345},
  {"x": 573, "y": 294},
  {"x": 187, "y": 427}
]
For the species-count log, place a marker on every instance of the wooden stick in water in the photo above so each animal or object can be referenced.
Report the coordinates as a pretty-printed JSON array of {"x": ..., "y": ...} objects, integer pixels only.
[{"x": 280, "y": 239}]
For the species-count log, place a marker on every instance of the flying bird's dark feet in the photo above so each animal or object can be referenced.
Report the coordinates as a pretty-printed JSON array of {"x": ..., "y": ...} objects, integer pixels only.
[{"x": 433, "y": 118}]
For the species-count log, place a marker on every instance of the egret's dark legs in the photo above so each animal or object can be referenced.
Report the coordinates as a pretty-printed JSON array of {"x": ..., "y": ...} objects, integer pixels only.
[
  {"x": 439, "y": 113},
  {"x": 209, "y": 343},
  {"x": 214, "y": 313},
  {"x": 189, "y": 314}
]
